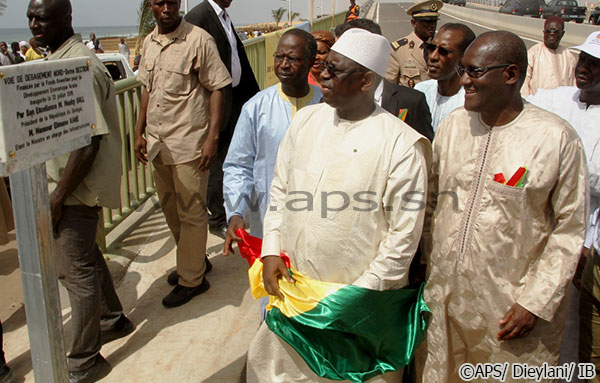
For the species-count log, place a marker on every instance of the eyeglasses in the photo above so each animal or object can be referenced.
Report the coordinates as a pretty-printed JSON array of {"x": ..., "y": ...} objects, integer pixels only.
[
  {"x": 291, "y": 59},
  {"x": 552, "y": 30},
  {"x": 476, "y": 72},
  {"x": 441, "y": 50},
  {"x": 323, "y": 66}
]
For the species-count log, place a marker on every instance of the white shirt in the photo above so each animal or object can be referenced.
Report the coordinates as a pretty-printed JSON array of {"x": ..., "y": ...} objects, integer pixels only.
[
  {"x": 5, "y": 60},
  {"x": 90, "y": 45},
  {"x": 440, "y": 106},
  {"x": 236, "y": 66},
  {"x": 379, "y": 93},
  {"x": 564, "y": 102}
]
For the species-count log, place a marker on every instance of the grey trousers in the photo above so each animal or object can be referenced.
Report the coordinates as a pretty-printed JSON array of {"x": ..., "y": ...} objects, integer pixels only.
[{"x": 83, "y": 272}]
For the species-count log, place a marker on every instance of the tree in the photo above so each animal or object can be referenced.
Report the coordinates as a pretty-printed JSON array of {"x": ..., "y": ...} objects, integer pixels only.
[
  {"x": 278, "y": 14},
  {"x": 146, "y": 23},
  {"x": 294, "y": 15}
]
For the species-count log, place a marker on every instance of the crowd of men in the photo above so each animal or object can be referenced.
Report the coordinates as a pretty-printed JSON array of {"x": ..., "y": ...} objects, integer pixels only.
[{"x": 502, "y": 183}]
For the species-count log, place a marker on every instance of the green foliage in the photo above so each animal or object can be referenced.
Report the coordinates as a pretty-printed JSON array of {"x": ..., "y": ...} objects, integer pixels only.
[
  {"x": 278, "y": 14},
  {"x": 294, "y": 15},
  {"x": 146, "y": 23}
]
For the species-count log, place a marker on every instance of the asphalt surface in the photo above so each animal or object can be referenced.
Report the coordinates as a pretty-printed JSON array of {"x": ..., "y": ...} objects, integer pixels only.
[{"x": 395, "y": 23}]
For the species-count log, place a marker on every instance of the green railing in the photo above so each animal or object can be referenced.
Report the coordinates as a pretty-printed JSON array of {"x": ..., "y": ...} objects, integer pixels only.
[
  {"x": 137, "y": 184},
  {"x": 256, "y": 50}
]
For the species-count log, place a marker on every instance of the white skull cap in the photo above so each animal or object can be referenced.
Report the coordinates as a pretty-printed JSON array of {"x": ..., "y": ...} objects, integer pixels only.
[{"x": 365, "y": 48}]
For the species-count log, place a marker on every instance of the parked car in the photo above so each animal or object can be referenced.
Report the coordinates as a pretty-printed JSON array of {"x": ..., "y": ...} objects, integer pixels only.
[
  {"x": 117, "y": 65},
  {"x": 595, "y": 16},
  {"x": 567, "y": 9},
  {"x": 522, "y": 7},
  {"x": 461, "y": 3}
]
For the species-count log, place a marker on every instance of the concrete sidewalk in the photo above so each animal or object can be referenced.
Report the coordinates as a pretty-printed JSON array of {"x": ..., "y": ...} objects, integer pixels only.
[{"x": 203, "y": 341}]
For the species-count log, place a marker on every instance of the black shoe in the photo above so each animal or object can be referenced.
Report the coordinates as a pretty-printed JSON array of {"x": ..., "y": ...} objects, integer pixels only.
[
  {"x": 173, "y": 277},
  {"x": 122, "y": 328},
  {"x": 93, "y": 374},
  {"x": 5, "y": 374},
  {"x": 220, "y": 232},
  {"x": 182, "y": 295}
]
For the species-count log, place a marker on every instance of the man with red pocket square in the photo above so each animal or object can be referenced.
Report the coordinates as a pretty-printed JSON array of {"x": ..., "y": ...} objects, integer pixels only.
[{"x": 500, "y": 248}]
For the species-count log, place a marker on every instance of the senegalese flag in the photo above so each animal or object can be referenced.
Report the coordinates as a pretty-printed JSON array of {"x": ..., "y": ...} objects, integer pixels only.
[{"x": 343, "y": 332}]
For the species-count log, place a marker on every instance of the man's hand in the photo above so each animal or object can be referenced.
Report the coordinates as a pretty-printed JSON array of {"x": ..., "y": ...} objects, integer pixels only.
[
  {"x": 236, "y": 222},
  {"x": 517, "y": 323},
  {"x": 209, "y": 153},
  {"x": 140, "y": 149},
  {"x": 273, "y": 269},
  {"x": 585, "y": 253},
  {"x": 56, "y": 205}
]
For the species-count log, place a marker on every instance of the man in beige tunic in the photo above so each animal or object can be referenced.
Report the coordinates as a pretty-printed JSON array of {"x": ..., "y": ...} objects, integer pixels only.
[
  {"x": 499, "y": 256},
  {"x": 550, "y": 65},
  {"x": 345, "y": 172},
  {"x": 408, "y": 65}
]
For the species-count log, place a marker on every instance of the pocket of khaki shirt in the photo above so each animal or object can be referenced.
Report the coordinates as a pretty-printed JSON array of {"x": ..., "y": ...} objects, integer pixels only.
[{"x": 177, "y": 75}]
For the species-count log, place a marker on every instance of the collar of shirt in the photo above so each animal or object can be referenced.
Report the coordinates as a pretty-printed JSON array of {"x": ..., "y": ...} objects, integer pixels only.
[
  {"x": 582, "y": 105},
  {"x": 296, "y": 102},
  {"x": 218, "y": 10},
  {"x": 164, "y": 39},
  {"x": 379, "y": 93},
  {"x": 65, "y": 47}
]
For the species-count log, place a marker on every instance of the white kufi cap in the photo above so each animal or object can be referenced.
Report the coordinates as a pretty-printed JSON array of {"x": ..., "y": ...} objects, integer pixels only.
[
  {"x": 365, "y": 48},
  {"x": 591, "y": 46}
]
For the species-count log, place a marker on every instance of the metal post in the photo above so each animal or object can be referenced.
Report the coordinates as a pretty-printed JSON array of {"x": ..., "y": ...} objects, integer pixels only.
[
  {"x": 31, "y": 206},
  {"x": 332, "y": 14},
  {"x": 185, "y": 6},
  {"x": 312, "y": 12},
  {"x": 290, "y": 13}
]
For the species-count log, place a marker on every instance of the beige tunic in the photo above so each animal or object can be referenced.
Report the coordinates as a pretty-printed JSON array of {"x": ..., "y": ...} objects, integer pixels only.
[
  {"x": 407, "y": 63},
  {"x": 490, "y": 245},
  {"x": 366, "y": 181},
  {"x": 548, "y": 69}
]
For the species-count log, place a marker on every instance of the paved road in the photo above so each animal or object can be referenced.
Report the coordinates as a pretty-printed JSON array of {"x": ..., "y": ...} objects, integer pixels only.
[{"x": 395, "y": 23}]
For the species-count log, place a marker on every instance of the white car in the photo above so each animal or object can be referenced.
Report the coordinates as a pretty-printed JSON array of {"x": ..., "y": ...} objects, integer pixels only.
[{"x": 117, "y": 65}]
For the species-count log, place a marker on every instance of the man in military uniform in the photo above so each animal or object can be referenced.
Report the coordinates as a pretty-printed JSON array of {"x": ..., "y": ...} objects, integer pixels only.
[{"x": 408, "y": 62}]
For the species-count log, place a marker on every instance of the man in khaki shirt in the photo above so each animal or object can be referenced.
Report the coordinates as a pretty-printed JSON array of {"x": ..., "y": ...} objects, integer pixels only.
[
  {"x": 182, "y": 112},
  {"x": 81, "y": 183}
]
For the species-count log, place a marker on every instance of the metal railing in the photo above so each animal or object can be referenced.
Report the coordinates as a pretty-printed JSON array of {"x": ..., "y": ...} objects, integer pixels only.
[
  {"x": 137, "y": 184},
  {"x": 256, "y": 47}
]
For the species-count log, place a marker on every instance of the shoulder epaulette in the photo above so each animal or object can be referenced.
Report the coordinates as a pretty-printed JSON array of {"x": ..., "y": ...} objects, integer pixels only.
[{"x": 398, "y": 43}]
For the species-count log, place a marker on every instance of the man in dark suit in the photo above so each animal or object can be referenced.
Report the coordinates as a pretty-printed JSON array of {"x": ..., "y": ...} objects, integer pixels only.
[
  {"x": 211, "y": 15},
  {"x": 401, "y": 101},
  {"x": 409, "y": 105}
]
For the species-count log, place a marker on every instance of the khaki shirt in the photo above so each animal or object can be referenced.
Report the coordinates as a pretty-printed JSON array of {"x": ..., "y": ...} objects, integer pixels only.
[
  {"x": 180, "y": 70},
  {"x": 102, "y": 185},
  {"x": 407, "y": 64}
]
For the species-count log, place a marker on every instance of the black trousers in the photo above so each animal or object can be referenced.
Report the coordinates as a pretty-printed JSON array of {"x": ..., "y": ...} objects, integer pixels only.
[
  {"x": 2, "y": 360},
  {"x": 214, "y": 196}
]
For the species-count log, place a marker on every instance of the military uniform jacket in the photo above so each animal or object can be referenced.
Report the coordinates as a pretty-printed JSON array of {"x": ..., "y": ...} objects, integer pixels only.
[{"x": 407, "y": 62}]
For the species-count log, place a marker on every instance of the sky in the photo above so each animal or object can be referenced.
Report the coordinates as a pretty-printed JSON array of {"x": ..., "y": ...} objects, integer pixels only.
[{"x": 102, "y": 13}]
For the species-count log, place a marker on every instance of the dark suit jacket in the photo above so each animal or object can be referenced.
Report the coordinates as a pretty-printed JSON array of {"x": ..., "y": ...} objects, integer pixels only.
[
  {"x": 398, "y": 97},
  {"x": 204, "y": 16}
]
